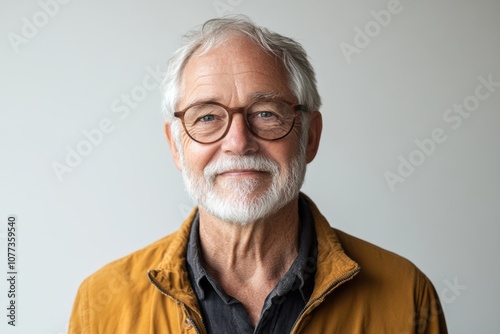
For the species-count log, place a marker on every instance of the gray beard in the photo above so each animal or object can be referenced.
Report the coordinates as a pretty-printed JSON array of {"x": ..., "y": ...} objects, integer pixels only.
[{"x": 239, "y": 201}]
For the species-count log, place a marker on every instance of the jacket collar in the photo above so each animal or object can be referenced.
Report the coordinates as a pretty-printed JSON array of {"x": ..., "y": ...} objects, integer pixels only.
[
  {"x": 333, "y": 266},
  {"x": 170, "y": 276}
]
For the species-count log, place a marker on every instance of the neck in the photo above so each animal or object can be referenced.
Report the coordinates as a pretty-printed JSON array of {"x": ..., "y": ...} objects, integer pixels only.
[{"x": 255, "y": 253}]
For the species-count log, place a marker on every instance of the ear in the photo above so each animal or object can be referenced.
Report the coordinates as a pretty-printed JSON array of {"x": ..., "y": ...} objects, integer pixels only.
[
  {"x": 313, "y": 138},
  {"x": 173, "y": 146}
]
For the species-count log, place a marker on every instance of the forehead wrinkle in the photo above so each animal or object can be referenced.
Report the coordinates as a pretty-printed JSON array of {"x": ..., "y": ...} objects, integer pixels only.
[
  {"x": 209, "y": 92},
  {"x": 231, "y": 72},
  {"x": 204, "y": 92},
  {"x": 210, "y": 70},
  {"x": 253, "y": 97}
]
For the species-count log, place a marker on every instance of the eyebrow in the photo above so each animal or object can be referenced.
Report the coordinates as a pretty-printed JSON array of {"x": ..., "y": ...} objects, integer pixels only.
[{"x": 265, "y": 95}]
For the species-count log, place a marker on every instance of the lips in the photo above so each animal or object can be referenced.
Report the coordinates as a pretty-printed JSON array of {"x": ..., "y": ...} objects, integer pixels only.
[{"x": 241, "y": 172}]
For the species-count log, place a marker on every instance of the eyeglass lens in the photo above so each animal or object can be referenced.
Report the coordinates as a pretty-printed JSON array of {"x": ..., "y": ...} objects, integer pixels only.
[{"x": 266, "y": 119}]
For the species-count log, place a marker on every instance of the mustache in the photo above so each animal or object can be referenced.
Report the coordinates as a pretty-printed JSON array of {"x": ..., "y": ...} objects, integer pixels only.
[{"x": 259, "y": 163}]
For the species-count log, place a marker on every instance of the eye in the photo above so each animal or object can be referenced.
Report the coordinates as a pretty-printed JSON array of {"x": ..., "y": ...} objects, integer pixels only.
[
  {"x": 265, "y": 114},
  {"x": 206, "y": 118}
]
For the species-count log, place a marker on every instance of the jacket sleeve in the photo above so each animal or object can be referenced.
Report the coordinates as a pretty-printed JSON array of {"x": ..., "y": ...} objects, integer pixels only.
[
  {"x": 79, "y": 321},
  {"x": 430, "y": 317}
]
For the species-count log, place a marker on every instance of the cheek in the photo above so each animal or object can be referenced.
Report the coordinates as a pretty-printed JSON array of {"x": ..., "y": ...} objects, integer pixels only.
[
  {"x": 294, "y": 139},
  {"x": 196, "y": 155},
  {"x": 296, "y": 134},
  {"x": 283, "y": 152}
]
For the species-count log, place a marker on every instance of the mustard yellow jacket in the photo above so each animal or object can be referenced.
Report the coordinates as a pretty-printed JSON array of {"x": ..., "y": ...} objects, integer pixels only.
[{"x": 359, "y": 288}]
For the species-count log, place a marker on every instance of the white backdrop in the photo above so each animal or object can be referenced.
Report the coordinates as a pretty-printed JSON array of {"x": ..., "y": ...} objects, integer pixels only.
[{"x": 409, "y": 157}]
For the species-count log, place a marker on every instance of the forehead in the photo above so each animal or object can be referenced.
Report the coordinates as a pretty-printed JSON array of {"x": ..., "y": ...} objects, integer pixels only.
[{"x": 237, "y": 68}]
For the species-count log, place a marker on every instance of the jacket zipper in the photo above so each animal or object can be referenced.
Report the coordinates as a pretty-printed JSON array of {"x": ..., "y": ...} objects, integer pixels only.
[
  {"x": 184, "y": 306},
  {"x": 328, "y": 290}
]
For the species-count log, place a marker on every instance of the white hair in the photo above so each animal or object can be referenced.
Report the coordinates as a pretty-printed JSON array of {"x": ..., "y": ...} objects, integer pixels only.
[{"x": 213, "y": 33}]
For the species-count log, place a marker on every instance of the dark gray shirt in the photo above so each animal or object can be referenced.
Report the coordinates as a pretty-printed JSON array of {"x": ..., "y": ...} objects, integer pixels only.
[{"x": 225, "y": 314}]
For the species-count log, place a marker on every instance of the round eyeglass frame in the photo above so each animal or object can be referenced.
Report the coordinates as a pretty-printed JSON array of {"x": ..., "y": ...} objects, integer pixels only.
[{"x": 243, "y": 110}]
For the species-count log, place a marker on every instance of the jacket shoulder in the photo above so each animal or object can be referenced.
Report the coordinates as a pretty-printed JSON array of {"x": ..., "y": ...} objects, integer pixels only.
[
  {"x": 387, "y": 273},
  {"x": 371, "y": 256},
  {"x": 388, "y": 295},
  {"x": 112, "y": 296},
  {"x": 134, "y": 266}
]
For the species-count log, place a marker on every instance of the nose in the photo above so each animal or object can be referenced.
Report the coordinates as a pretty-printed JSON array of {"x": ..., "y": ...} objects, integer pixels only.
[{"x": 239, "y": 140}]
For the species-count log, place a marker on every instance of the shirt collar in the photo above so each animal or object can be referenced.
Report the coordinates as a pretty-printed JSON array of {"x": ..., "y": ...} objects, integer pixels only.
[{"x": 301, "y": 271}]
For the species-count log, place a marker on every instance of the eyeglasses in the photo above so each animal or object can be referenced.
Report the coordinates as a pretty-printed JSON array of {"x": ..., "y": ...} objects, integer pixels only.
[{"x": 208, "y": 122}]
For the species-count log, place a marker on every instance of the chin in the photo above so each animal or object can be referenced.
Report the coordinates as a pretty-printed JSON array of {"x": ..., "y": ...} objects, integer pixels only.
[{"x": 245, "y": 206}]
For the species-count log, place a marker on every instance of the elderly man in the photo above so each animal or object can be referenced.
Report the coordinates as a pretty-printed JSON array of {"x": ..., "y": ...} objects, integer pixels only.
[{"x": 256, "y": 255}]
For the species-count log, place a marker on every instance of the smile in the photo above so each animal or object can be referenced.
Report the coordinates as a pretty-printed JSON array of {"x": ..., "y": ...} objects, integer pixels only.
[{"x": 241, "y": 172}]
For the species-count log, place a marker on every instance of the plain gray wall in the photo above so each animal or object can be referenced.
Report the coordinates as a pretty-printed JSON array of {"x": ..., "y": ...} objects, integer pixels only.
[{"x": 73, "y": 69}]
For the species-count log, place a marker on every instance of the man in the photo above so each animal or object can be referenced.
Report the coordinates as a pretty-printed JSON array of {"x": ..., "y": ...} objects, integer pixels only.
[{"x": 256, "y": 255}]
